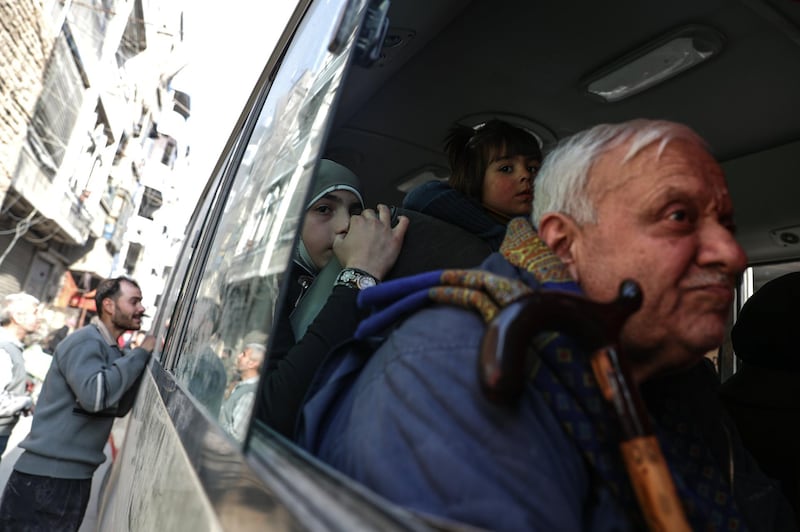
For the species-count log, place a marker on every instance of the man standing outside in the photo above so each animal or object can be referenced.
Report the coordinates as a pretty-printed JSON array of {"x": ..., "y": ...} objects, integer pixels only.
[
  {"x": 18, "y": 317},
  {"x": 236, "y": 408},
  {"x": 90, "y": 382}
]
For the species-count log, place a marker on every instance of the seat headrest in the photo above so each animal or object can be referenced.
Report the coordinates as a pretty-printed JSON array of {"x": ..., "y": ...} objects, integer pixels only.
[
  {"x": 765, "y": 332},
  {"x": 433, "y": 244}
]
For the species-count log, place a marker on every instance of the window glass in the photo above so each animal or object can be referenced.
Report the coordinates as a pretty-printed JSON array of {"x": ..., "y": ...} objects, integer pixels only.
[
  {"x": 231, "y": 313},
  {"x": 169, "y": 310}
]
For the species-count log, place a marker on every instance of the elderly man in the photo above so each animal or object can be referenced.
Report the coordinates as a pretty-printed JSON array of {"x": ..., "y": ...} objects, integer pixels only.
[
  {"x": 237, "y": 406},
  {"x": 19, "y": 316},
  {"x": 89, "y": 383},
  {"x": 641, "y": 200}
]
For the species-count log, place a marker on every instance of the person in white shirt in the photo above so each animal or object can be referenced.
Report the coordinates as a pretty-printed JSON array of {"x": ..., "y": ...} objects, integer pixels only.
[
  {"x": 19, "y": 315},
  {"x": 236, "y": 408}
]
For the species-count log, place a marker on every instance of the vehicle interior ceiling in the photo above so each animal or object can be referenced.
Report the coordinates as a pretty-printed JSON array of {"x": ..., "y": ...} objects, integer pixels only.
[{"x": 531, "y": 62}]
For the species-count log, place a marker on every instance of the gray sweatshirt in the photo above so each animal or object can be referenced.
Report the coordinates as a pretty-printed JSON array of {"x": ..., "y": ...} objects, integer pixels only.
[
  {"x": 90, "y": 382},
  {"x": 11, "y": 347}
]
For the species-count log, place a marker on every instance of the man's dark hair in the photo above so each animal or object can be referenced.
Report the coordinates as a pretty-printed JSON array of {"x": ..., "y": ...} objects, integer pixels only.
[{"x": 110, "y": 289}]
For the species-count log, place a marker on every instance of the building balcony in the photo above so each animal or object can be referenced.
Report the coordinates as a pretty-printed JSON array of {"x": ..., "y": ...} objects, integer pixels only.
[{"x": 61, "y": 212}]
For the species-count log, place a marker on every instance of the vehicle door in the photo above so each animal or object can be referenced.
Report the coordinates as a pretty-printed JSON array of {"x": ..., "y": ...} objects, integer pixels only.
[{"x": 177, "y": 468}]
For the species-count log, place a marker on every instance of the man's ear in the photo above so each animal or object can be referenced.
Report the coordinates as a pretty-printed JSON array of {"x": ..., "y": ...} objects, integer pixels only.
[
  {"x": 108, "y": 306},
  {"x": 559, "y": 231}
]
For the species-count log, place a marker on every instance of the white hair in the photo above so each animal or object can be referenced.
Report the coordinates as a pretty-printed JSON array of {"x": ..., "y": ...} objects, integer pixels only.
[
  {"x": 14, "y": 304},
  {"x": 562, "y": 181}
]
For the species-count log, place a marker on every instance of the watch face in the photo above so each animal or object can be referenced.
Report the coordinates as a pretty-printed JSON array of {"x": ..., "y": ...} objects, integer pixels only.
[{"x": 365, "y": 282}]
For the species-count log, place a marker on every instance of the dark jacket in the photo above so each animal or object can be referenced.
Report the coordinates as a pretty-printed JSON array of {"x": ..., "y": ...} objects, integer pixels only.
[
  {"x": 441, "y": 201},
  {"x": 291, "y": 365}
]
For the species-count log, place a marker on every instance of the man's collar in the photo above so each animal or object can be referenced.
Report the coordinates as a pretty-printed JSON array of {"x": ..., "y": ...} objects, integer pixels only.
[{"x": 104, "y": 332}]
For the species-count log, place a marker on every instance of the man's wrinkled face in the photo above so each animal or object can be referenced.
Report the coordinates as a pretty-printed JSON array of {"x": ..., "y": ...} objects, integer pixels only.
[
  {"x": 249, "y": 360},
  {"x": 243, "y": 359},
  {"x": 28, "y": 318},
  {"x": 666, "y": 222}
]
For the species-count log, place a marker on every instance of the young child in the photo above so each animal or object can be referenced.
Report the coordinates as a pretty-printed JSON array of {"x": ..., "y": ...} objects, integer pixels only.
[{"x": 492, "y": 171}]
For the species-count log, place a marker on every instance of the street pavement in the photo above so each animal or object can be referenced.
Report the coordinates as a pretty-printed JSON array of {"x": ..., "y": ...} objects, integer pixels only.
[{"x": 13, "y": 451}]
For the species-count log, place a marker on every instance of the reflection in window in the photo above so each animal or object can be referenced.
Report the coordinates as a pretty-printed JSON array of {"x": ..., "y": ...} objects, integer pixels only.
[
  {"x": 204, "y": 372},
  {"x": 132, "y": 257},
  {"x": 232, "y": 313},
  {"x": 170, "y": 154},
  {"x": 243, "y": 370},
  {"x": 151, "y": 202}
]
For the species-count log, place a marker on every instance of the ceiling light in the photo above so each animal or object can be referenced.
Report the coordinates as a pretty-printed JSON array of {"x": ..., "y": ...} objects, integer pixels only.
[{"x": 656, "y": 62}]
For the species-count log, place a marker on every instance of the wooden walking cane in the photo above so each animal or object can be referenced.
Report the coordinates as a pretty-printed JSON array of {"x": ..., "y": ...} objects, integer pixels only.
[{"x": 507, "y": 357}]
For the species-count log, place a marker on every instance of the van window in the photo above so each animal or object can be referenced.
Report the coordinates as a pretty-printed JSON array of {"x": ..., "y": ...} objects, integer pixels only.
[{"x": 238, "y": 289}]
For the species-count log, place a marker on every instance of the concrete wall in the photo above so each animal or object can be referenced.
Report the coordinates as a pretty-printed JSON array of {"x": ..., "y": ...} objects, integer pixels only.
[{"x": 26, "y": 40}]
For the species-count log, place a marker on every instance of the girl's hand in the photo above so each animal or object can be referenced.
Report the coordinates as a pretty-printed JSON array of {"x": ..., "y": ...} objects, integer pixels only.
[{"x": 371, "y": 243}]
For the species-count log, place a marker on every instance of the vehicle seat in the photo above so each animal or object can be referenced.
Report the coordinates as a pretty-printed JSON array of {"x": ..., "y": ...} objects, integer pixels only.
[
  {"x": 432, "y": 244},
  {"x": 763, "y": 397}
]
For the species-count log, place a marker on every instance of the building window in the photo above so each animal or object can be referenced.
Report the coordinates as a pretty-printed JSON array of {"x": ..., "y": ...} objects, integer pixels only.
[
  {"x": 132, "y": 257},
  {"x": 151, "y": 202},
  {"x": 170, "y": 152},
  {"x": 57, "y": 109},
  {"x": 182, "y": 103}
]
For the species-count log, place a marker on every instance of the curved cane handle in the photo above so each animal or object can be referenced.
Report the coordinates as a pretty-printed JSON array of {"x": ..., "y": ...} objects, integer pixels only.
[{"x": 506, "y": 354}]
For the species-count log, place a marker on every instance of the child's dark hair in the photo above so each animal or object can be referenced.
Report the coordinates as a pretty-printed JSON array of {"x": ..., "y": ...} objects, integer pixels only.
[{"x": 470, "y": 151}]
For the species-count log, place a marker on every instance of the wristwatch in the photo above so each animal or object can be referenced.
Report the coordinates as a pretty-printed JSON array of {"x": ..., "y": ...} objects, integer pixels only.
[{"x": 355, "y": 278}]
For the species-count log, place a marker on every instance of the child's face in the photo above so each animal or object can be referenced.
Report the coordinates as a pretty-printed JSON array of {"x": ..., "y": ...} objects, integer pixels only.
[
  {"x": 328, "y": 217},
  {"x": 508, "y": 184}
]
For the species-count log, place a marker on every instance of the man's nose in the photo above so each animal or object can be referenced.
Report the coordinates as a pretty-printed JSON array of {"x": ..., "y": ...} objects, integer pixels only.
[{"x": 718, "y": 246}]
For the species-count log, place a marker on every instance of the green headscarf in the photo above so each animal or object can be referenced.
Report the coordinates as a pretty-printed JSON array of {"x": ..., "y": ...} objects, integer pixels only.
[{"x": 330, "y": 176}]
